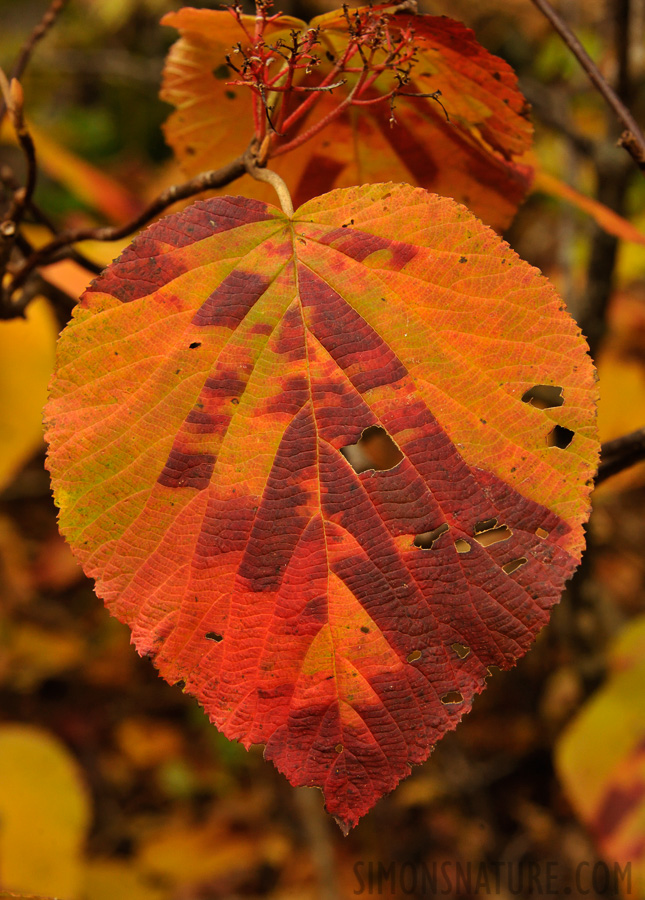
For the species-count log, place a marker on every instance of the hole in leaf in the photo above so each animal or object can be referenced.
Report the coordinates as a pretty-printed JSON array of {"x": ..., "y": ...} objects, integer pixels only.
[
  {"x": 365, "y": 629},
  {"x": 493, "y": 670},
  {"x": 427, "y": 539},
  {"x": 462, "y": 546},
  {"x": 486, "y": 525},
  {"x": 461, "y": 650},
  {"x": 494, "y": 536},
  {"x": 194, "y": 345},
  {"x": 452, "y": 697},
  {"x": 416, "y": 654},
  {"x": 514, "y": 564},
  {"x": 541, "y": 533},
  {"x": 181, "y": 684},
  {"x": 543, "y": 396},
  {"x": 560, "y": 437},
  {"x": 338, "y": 748},
  {"x": 214, "y": 636},
  {"x": 375, "y": 450}
]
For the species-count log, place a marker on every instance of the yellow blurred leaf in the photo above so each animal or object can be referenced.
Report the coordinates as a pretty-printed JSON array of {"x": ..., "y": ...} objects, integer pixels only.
[
  {"x": 44, "y": 814},
  {"x": 27, "y": 348},
  {"x": 621, "y": 375},
  {"x": 110, "y": 879},
  {"x": 601, "y": 759}
]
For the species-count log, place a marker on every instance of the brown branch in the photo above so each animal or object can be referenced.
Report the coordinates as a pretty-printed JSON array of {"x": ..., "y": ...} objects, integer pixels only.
[
  {"x": 8, "y": 180},
  {"x": 15, "y": 101},
  {"x": 9, "y": 228},
  {"x": 215, "y": 178},
  {"x": 632, "y": 138},
  {"x": 39, "y": 32},
  {"x": 621, "y": 454}
]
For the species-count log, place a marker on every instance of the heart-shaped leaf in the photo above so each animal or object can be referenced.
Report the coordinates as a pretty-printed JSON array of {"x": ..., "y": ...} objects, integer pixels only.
[
  {"x": 471, "y": 156},
  {"x": 209, "y": 395}
]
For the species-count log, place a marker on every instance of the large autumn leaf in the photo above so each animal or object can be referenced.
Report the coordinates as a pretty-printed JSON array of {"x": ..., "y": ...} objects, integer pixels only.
[
  {"x": 471, "y": 157},
  {"x": 205, "y": 391}
]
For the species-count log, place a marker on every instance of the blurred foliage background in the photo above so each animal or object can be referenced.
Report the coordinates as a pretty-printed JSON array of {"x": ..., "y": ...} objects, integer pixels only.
[{"x": 112, "y": 783}]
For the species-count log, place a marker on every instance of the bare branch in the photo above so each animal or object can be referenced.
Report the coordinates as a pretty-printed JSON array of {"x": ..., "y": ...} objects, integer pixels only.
[
  {"x": 213, "y": 179},
  {"x": 621, "y": 454},
  {"x": 632, "y": 139}
]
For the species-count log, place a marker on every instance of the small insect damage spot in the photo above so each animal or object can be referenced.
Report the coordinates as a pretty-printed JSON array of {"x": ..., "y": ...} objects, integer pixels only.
[
  {"x": 514, "y": 564},
  {"x": 462, "y": 546},
  {"x": 541, "y": 533},
  {"x": 222, "y": 72},
  {"x": 374, "y": 450},
  {"x": 452, "y": 697},
  {"x": 414, "y": 656},
  {"x": 427, "y": 540},
  {"x": 544, "y": 396},
  {"x": 214, "y": 636},
  {"x": 560, "y": 437},
  {"x": 338, "y": 748},
  {"x": 461, "y": 650},
  {"x": 489, "y": 532},
  {"x": 194, "y": 345},
  {"x": 365, "y": 629}
]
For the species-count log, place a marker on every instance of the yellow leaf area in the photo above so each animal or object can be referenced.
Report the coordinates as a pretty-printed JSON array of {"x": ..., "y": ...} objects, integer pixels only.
[
  {"x": 471, "y": 156},
  {"x": 601, "y": 759},
  {"x": 621, "y": 374},
  {"x": 44, "y": 814},
  {"x": 27, "y": 352}
]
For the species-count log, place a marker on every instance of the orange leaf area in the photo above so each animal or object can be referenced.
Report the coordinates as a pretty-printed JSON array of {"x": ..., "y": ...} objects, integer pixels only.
[
  {"x": 208, "y": 395},
  {"x": 608, "y": 219},
  {"x": 469, "y": 149}
]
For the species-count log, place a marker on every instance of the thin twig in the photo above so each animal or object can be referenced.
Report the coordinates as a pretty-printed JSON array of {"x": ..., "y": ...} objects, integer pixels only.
[
  {"x": 632, "y": 138},
  {"x": 213, "y": 179},
  {"x": 8, "y": 180},
  {"x": 621, "y": 454},
  {"x": 39, "y": 32},
  {"x": 26, "y": 143}
]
